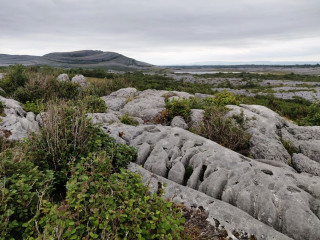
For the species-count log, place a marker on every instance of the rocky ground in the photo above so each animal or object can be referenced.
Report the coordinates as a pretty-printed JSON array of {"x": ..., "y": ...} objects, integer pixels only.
[
  {"x": 285, "y": 89},
  {"x": 271, "y": 195}
]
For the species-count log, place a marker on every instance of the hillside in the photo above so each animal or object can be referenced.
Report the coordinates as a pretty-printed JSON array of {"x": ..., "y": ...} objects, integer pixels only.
[{"x": 84, "y": 58}]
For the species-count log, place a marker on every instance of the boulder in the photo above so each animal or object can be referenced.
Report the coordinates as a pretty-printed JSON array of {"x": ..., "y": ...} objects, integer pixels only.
[
  {"x": 16, "y": 124},
  {"x": 80, "y": 79},
  {"x": 196, "y": 117},
  {"x": 63, "y": 77},
  {"x": 178, "y": 121}
]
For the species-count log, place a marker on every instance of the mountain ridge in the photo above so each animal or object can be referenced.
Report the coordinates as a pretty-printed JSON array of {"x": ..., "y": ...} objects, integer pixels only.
[{"x": 81, "y": 58}]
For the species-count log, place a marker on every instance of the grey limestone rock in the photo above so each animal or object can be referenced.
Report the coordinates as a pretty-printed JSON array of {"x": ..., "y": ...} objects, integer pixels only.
[
  {"x": 178, "y": 121},
  {"x": 304, "y": 164},
  {"x": 196, "y": 117},
  {"x": 275, "y": 195},
  {"x": 177, "y": 172},
  {"x": 116, "y": 100},
  {"x": 265, "y": 127},
  {"x": 80, "y": 79},
  {"x": 16, "y": 124},
  {"x": 100, "y": 118},
  {"x": 230, "y": 217},
  {"x": 63, "y": 77}
]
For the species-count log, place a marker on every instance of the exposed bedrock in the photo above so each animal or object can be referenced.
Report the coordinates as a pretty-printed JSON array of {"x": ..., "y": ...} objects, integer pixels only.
[
  {"x": 274, "y": 194},
  {"x": 228, "y": 216},
  {"x": 271, "y": 133},
  {"x": 15, "y": 123}
]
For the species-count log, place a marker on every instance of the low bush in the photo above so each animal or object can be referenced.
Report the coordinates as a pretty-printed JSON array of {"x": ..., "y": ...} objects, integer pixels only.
[
  {"x": 68, "y": 182},
  {"x": 15, "y": 78},
  {"x": 225, "y": 98},
  {"x": 178, "y": 107},
  {"x": 313, "y": 116},
  {"x": 230, "y": 132},
  {"x": 94, "y": 104},
  {"x": 101, "y": 205},
  {"x": 35, "y": 107},
  {"x": 126, "y": 119}
]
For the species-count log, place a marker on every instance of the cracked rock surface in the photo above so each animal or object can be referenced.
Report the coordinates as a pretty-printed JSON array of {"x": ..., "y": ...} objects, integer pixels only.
[{"x": 274, "y": 188}]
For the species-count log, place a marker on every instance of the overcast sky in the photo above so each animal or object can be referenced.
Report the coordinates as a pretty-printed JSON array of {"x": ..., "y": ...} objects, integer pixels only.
[{"x": 165, "y": 31}]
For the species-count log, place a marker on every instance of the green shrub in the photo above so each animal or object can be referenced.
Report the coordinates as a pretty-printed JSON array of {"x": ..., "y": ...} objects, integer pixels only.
[
  {"x": 101, "y": 205},
  {"x": 313, "y": 116},
  {"x": 35, "y": 107},
  {"x": 225, "y": 98},
  {"x": 67, "y": 90},
  {"x": 229, "y": 132},
  {"x": 21, "y": 187},
  {"x": 14, "y": 79},
  {"x": 126, "y": 119},
  {"x": 94, "y": 104},
  {"x": 178, "y": 107}
]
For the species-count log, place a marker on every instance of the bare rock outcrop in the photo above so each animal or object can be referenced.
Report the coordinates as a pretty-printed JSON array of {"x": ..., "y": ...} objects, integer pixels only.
[
  {"x": 16, "y": 124},
  {"x": 277, "y": 196},
  {"x": 80, "y": 79}
]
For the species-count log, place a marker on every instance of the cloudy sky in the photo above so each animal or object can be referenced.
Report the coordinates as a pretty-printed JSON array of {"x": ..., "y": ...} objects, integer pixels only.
[{"x": 165, "y": 31}]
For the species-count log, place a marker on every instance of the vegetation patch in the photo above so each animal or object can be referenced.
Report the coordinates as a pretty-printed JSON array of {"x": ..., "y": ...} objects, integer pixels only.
[
  {"x": 68, "y": 182},
  {"x": 126, "y": 119}
]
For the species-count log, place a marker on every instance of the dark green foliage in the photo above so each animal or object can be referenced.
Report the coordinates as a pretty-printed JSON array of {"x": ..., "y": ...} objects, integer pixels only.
[
  {"x": 126, "y": 119},
  {"x": 102, "y": 205},
  {"x": 178, "y": 107},
  {"x": 313, "y": 116},
  {"x": 35, "y": 107},
  {"x": 94, "y": 104},
  {"x": 295, "y": 109},
  {"x": 2, "y": 107},
  {"x": 14, "y": 79},
  {"x": 229, "y": 132},
  {"x": 21, "y": 186}
]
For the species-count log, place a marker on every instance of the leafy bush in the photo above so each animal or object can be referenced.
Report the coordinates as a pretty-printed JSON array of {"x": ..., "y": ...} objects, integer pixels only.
[
  {"x": 126, "y": 119},
  {"x": 35, "y": 107},
  {"x": 14, "y": 79},
  {"x": 225, "y": 98},
  {"x": 178, "y": 107},
  {"x": 101, "y": 205},
  {"x": 68, "y": 183},
  {"x": 313, "y": 116},
  {"x": 94, "y": 104},
  {"x": 66, "y": 136},
  {"x": 230, "y": 132},
  {"x": 21, "y": 186}
]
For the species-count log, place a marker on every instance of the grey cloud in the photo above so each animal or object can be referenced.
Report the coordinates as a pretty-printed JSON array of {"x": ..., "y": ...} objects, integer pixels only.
[{"x": 137, "y": 26}]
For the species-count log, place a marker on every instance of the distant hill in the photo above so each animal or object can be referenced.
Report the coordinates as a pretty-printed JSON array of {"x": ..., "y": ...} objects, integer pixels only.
[{"x": 84, "y": 58}]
